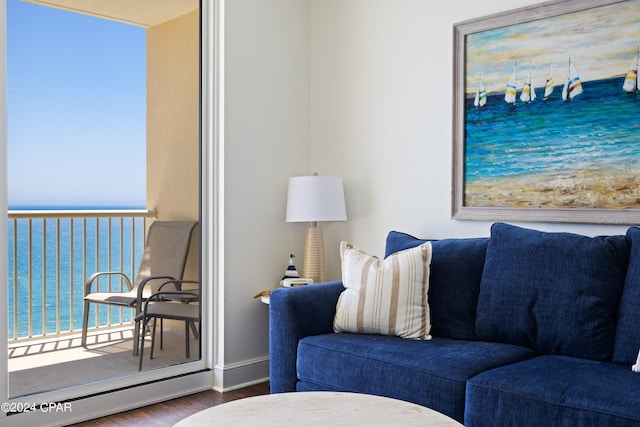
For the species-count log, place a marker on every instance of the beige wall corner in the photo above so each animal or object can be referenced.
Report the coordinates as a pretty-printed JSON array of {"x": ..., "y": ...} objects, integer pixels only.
[{"x": 173, "y": 175}]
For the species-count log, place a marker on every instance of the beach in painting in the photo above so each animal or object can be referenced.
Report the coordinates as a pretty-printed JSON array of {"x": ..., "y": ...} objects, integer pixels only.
[
  {"x": 554, "y": 154},
  {"x": 580, "y": 189}
]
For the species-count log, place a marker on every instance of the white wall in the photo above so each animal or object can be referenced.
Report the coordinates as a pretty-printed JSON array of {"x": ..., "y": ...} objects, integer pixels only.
[
  {"x": 266, "y": 140},
  {"x": 356, "y": 88}
]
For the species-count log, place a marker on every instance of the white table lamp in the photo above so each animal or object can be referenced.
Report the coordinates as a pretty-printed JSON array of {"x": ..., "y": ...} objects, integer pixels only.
[{"x": 315, "y": 199}]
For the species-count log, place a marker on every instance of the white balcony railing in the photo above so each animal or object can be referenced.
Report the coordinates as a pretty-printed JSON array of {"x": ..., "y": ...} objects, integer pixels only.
[{"x": 50, "y": 255}]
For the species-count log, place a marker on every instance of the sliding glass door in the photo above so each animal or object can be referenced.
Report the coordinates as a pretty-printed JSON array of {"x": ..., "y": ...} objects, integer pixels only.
[{"x": 100, "y": 142}]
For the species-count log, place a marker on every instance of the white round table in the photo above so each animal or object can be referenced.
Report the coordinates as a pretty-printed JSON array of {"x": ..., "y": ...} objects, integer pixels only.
[{"x": 318, "y": 408}]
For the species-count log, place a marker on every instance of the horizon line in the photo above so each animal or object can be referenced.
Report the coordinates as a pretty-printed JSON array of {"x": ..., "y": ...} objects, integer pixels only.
[{"x": 22, "y": 207}]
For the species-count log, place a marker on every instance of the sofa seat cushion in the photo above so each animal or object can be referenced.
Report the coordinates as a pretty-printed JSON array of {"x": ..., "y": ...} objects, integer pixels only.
[
  {"x": 554, "y": 391},
  {"x": 557, "y": 293},
  {"x": 454, "y": 284},
  {"x": 430, "y": 373}
]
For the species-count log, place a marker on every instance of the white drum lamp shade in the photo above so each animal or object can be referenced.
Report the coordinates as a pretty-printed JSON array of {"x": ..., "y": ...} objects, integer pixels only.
[{"x": 315, "y": 199}]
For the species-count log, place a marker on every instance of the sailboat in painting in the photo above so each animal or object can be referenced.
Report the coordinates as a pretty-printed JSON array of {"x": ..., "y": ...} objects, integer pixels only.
[
  {"x": 528, "y": 93},
  {"x": 549, "y": 84},
  {"x": 510, "y": 93},
  {"x": 573, "y": 85},
  {"x": 631, "y": 79},
  {"x": 481, "y": 95}
]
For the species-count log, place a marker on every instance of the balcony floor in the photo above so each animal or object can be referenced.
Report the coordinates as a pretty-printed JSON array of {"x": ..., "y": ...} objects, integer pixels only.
[{"x": 56, "y": 363}]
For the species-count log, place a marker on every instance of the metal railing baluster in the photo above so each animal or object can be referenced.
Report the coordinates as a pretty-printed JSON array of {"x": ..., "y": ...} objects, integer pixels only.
[
  {"x": 15, "y": 279},
  {"x": 30, "y": 276},
  {"x": 44, "y": 277}
]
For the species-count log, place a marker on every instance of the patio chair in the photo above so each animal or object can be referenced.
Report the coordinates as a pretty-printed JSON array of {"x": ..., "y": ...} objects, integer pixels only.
[
  {"x": 175, "y": 304},
  {"x": 164, "y": 258}
]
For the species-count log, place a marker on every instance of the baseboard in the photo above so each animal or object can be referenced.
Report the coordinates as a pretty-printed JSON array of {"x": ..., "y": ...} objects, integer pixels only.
[
  {"x": 241, "y": 374},
  {"x": 108, "y": 403}
]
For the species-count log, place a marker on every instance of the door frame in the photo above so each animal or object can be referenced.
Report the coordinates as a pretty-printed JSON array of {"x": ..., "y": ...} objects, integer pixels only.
[{"x": 119, "y": 394}]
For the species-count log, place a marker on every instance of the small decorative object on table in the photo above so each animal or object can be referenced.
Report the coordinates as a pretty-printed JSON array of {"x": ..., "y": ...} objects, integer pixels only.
[
  {"x": 292, "y": 271},
  {"x": 290, "y": 278}
]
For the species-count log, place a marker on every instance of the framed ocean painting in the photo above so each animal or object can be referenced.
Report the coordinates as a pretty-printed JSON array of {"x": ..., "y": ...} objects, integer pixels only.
[{"x": 546, "y": 120}]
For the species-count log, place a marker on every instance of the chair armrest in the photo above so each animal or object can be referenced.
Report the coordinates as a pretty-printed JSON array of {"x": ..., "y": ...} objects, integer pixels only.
[
  {"x": 176, "y": 296},
  {"x": 178, "y": 289},
  {"x": 94, "y": 276},
  {"x": 295, "y": 313},
  {"x": 145, "y": 282},
  {"x": 178, "y": 284}
]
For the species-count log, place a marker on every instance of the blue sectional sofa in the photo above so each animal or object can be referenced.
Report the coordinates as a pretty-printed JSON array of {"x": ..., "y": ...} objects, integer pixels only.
[{"x": 528, "y": 329}]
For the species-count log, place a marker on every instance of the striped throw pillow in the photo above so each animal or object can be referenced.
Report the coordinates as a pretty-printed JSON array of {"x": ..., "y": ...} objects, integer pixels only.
[{"x": 385, "y": 297}]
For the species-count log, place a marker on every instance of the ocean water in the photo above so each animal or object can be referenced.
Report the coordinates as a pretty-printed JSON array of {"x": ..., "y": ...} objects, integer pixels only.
[
  {"x": 598, "y": 130},
  {"x": 57, "y": 293}
]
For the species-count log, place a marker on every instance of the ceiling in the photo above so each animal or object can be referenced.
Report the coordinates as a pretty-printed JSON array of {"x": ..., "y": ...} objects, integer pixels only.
[{"x": 142, "y": 13}]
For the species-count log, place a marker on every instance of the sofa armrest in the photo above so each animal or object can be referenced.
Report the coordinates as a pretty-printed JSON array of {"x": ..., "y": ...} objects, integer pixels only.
[{"x": 295, "y": 313}]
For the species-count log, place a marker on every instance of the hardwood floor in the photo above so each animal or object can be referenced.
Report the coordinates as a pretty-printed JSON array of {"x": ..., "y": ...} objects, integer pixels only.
[{"x": 168, "y": 413}]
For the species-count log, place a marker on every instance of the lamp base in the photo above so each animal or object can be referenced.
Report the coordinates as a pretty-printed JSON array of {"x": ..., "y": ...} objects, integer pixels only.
[{"x": 314, "y": 255}]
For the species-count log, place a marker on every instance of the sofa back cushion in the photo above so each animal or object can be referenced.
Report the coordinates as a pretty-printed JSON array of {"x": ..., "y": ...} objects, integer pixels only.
[
  {"x": 454, "y": 285},
  {"x": 557, "y": 293},
  {"x": 627, "y": 342}
]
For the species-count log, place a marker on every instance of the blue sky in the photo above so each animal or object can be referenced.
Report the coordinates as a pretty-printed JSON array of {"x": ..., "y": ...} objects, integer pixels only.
[
  {"x": 601, "y": 43},
  {"x": 76, "y": 109}
]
